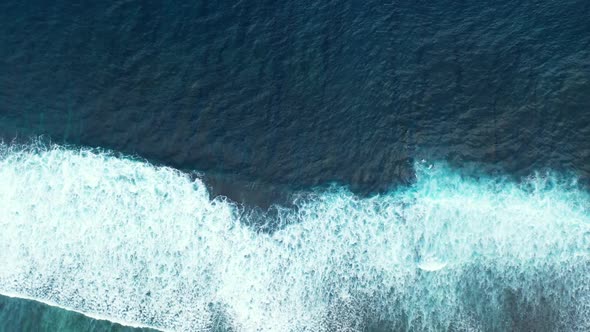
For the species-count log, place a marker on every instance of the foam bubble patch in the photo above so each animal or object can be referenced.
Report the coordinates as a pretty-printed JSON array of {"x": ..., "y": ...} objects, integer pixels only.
[{"x": 119, "y": 238}]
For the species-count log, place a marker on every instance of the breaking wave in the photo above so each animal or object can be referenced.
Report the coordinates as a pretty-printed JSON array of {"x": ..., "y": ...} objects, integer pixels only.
[{"x": 114, "y": 237}]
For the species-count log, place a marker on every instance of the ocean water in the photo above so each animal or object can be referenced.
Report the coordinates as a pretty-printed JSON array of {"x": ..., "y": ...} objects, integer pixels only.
[
  {"x": 295, "y": 166},
  {"x": 137, "y": 244},
  {"x": 283, "y": 95},
  {"x": 18, "y": 314}
]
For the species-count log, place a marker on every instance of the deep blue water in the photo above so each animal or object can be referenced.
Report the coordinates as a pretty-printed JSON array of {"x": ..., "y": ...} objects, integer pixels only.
[{"x": 305, "y": 115}]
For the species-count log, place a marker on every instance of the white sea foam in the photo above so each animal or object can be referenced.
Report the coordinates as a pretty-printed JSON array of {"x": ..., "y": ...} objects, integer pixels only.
[{"x": 115, "y": 237}]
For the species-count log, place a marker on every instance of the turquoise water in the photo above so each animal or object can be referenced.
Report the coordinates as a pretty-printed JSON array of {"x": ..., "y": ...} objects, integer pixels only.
[
  {"x": 27, "y": 315},
  {"x": 135, "y": 243}
]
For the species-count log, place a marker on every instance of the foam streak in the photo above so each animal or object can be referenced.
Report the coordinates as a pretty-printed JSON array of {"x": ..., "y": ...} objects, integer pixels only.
[{"x": 119, "y": 238}]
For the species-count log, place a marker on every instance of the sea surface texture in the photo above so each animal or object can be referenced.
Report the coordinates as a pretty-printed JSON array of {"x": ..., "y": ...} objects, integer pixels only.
[{"x": 295, "y": 165}]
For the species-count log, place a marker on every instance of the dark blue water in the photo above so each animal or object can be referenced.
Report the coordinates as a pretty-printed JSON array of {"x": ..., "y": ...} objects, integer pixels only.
[{"x": 266, "y": 101}]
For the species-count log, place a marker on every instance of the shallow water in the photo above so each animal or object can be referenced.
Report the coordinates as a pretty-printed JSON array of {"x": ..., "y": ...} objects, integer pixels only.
[{"x": 18, "y": 314}]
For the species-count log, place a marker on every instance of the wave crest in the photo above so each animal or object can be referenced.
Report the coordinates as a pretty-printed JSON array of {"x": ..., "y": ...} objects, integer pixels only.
[{"x": 115, "y": 237}]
